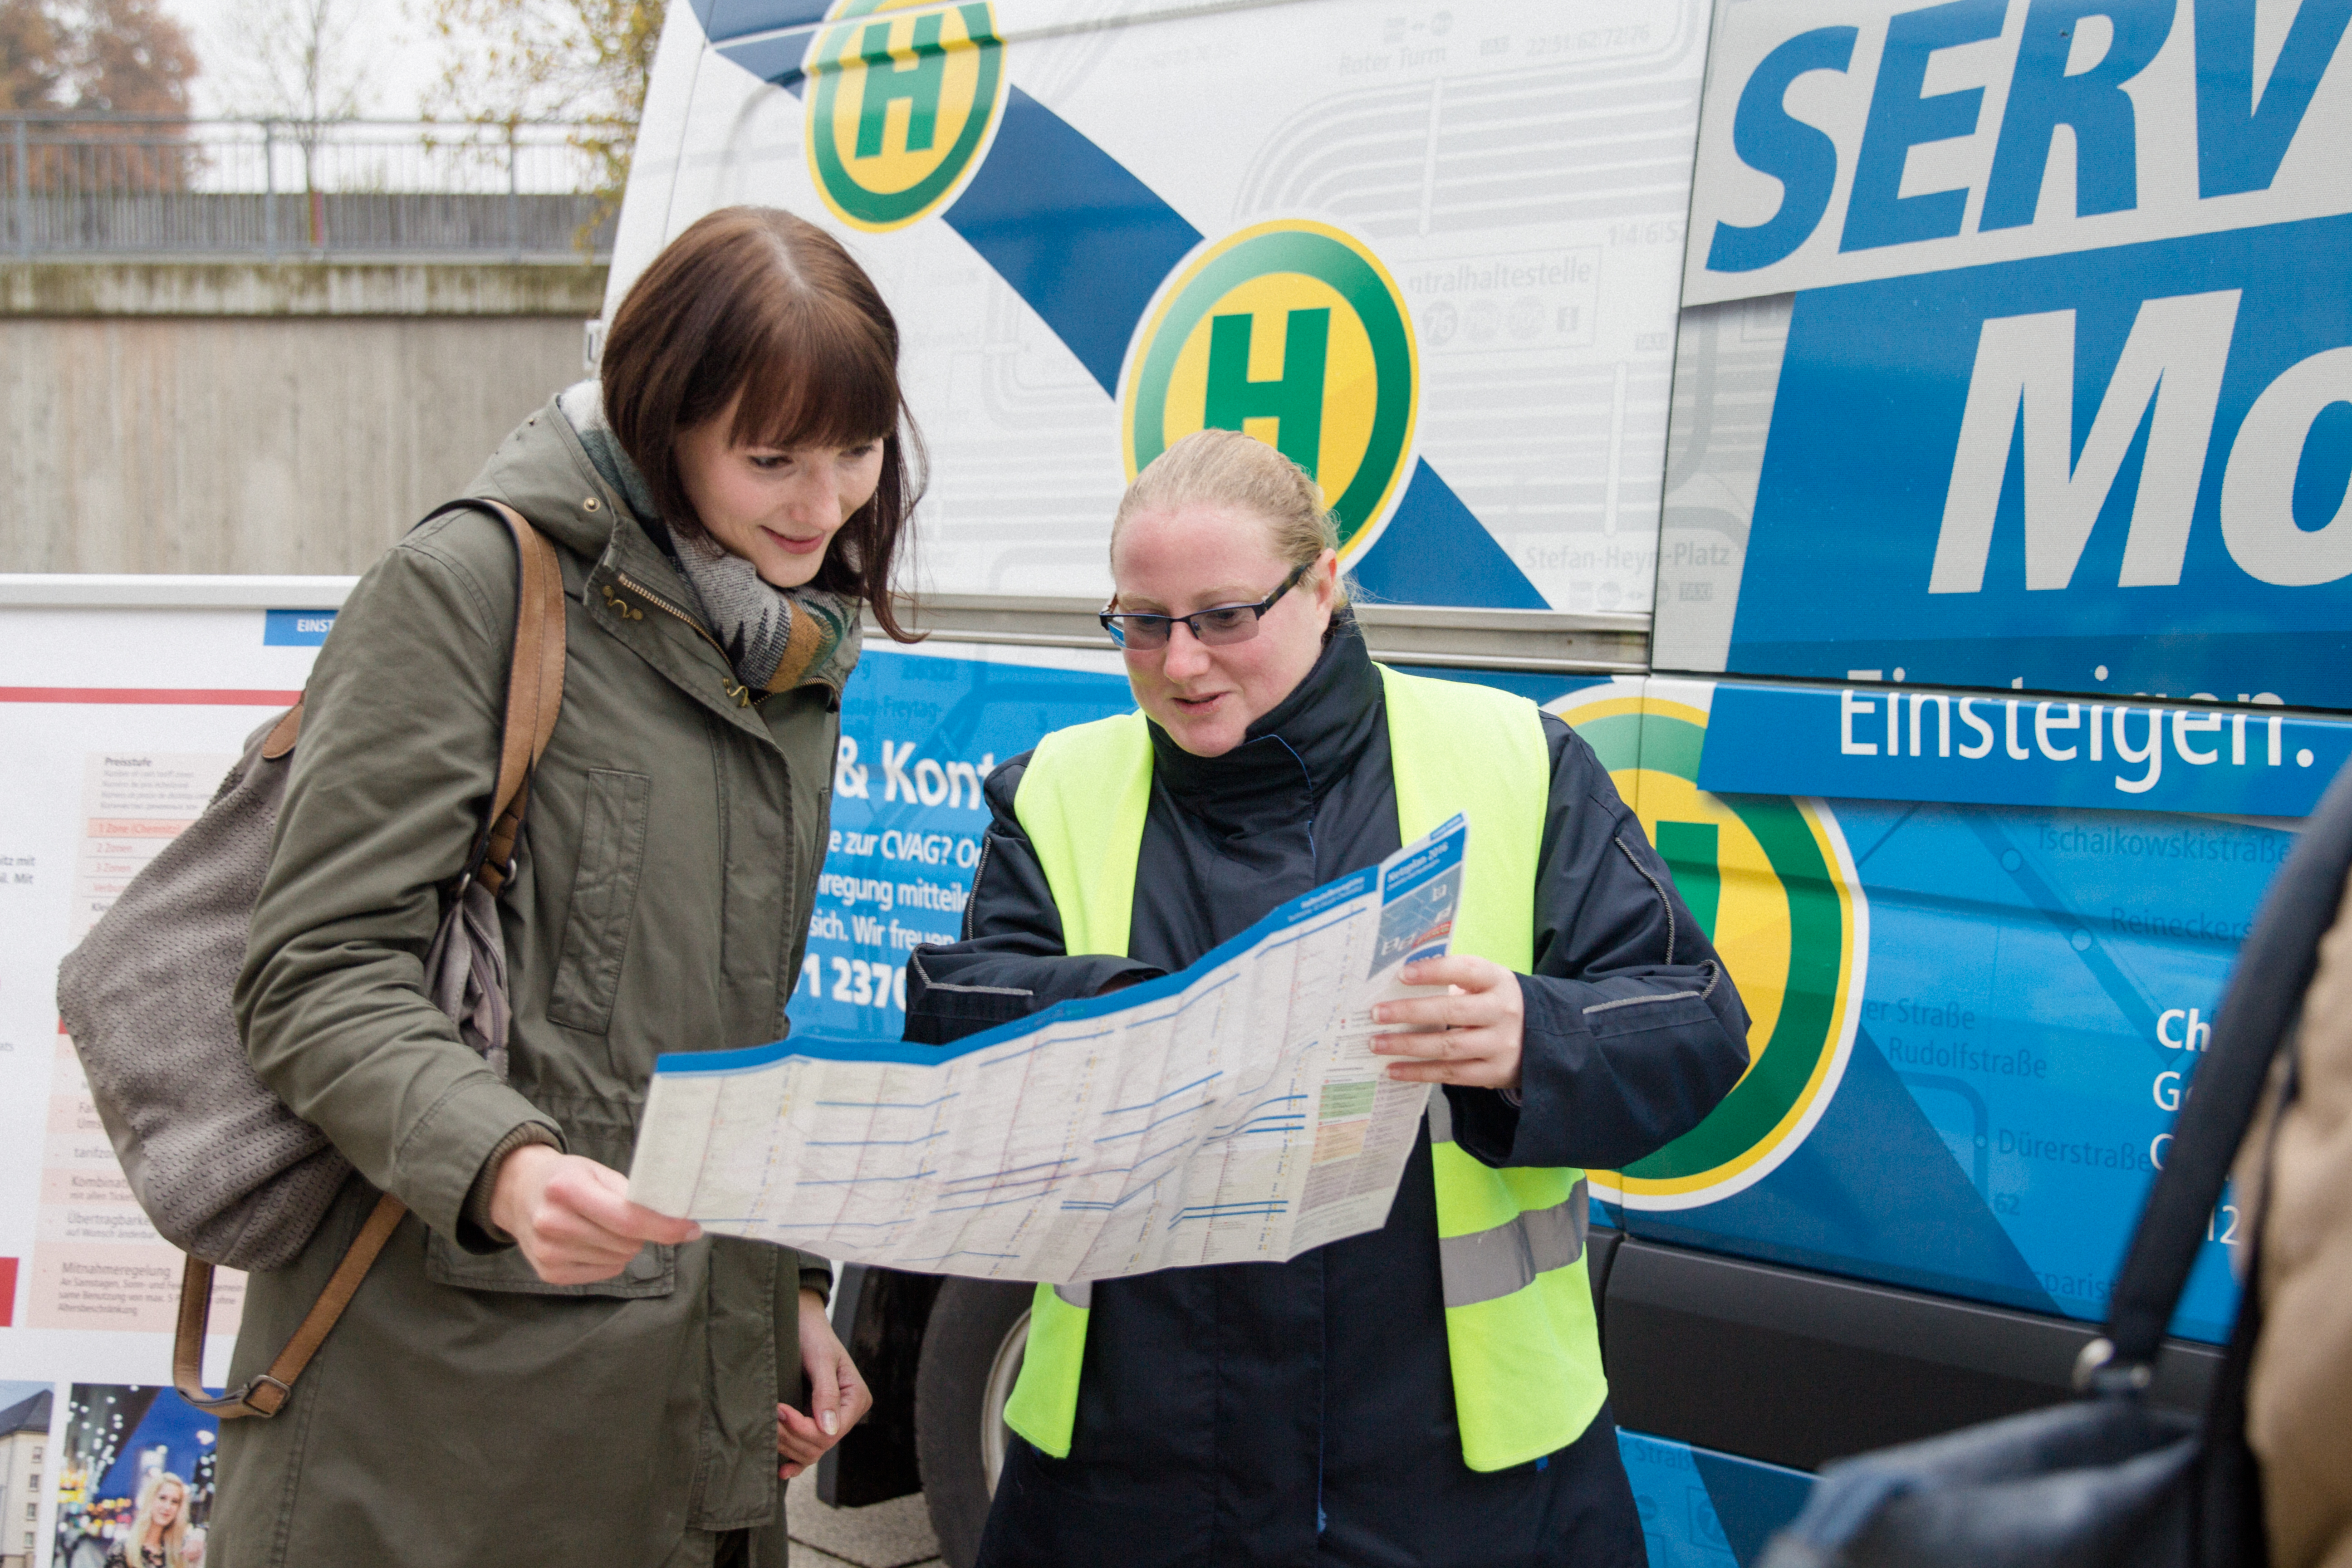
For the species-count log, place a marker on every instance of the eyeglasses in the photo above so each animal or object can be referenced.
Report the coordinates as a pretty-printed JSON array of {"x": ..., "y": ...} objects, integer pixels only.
[{"x": 1216, "y": 627}]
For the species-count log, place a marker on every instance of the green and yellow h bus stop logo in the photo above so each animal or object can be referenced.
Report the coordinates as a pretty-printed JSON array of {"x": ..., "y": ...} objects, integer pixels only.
[
  {"x": 1771, "y": 881},
  {"x": 905, "y": 94},
  {"x": 1291, "y": 331}
]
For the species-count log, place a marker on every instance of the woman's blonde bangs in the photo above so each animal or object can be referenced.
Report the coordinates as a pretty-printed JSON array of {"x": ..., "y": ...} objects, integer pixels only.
[{"x": 1228, "y": 469}]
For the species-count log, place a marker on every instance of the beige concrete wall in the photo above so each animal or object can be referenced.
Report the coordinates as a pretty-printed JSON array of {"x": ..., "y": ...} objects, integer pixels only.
[{"x": 274, "y": 421}]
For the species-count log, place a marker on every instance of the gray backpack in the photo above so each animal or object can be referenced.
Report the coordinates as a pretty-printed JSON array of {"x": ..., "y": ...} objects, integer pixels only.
[{"x": 223, "y": 1168}]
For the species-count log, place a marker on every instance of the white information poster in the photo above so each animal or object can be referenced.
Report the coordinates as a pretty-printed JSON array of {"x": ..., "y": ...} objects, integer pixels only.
[{"x": 123, "y": 702}]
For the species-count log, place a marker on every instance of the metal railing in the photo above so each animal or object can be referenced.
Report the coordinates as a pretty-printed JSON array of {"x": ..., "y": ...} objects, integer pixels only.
[{"x": 78, "y": 185}]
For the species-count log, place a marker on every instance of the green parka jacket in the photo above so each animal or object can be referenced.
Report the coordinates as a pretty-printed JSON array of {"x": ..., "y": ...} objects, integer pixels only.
[{"x": 462, "y": 1411}]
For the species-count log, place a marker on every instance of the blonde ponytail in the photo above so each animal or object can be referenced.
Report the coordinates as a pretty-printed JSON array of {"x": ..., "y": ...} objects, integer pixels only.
[{"x": 1227, "y": 468}]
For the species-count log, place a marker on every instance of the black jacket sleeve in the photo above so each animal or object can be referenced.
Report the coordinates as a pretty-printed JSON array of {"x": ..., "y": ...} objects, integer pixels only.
[
  {"x": 1634, "y": 1031},
  {"x": 1011, "y": 961}
]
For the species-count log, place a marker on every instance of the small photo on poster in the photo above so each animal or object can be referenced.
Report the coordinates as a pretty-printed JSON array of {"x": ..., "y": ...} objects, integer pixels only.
[
  {"x": 24, "y": 1409},
  {"x": 134, "y": 1479}
]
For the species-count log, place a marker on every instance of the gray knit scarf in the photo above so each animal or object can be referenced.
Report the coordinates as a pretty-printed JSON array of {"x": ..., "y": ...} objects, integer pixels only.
[{"x": 775, "y": 637}]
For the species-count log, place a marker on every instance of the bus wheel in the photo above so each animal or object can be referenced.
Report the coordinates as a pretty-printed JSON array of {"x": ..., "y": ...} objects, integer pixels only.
[{"x": 971, "y": 1355}]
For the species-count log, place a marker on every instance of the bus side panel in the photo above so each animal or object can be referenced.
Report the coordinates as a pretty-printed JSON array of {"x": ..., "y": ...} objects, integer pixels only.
[
  {"x": 920, "y": 732},
  {"x": 1701, "y": 1509},
  {"x": 1978, "y": 406},
  {"x": 1483, "y": 320},
  {"x": 1973, "y": 1023},
  {"x": 1961, "y": 399}
]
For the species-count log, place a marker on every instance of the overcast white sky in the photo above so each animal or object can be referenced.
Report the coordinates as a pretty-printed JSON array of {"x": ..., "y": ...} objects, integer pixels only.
[{"x": 402, "y": 59}]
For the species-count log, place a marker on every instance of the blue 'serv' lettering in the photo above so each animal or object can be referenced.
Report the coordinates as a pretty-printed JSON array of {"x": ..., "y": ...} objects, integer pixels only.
[
  {"x": 1902, "y": 117},
  {"x": 2044, "y": 94},
  {"x": 1771, "y": 140},
  {"x": 2072, "y": 62},
  {"x": 2242, "y": 140}
]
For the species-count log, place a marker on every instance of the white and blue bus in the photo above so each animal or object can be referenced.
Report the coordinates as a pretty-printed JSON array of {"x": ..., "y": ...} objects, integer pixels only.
[{"x": 1910, "y": 443}]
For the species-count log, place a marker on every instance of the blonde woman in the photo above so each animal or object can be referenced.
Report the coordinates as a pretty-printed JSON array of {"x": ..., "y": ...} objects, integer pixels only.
[
  {"x": 1429, "y": 1393},
  {"x": 159, "y": 1535}
]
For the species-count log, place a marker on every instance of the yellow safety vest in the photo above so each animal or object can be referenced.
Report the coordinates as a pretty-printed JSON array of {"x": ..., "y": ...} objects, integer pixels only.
[{"x": 1519, "y": 1329}]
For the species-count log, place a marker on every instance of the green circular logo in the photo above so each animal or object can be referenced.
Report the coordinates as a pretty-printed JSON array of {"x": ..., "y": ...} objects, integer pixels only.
[
  {"x": 1769, "y": 881},
  {"x": 1291, "y": 331},
  {"x": 906, "y": 94}
]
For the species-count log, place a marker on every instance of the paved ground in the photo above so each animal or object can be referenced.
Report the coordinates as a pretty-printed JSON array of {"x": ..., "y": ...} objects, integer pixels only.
[{"x": 895, "y": 1534}]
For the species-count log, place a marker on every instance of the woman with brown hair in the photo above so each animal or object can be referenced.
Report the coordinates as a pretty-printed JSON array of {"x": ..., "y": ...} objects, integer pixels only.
[{"x": 538, "y": 1370}]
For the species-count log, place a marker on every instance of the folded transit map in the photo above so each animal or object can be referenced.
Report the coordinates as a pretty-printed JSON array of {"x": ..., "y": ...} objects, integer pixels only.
[{"x": 1232, "y": 1112}]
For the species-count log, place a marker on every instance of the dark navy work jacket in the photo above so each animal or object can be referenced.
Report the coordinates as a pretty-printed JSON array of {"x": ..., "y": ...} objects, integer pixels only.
[{"x": 1303, "y": 1412}]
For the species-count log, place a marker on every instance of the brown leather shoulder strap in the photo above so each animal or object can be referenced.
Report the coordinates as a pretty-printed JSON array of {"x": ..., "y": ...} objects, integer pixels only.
[
  {"x": 283, "y": 734},
  {"x": 534, "y": 688},
  {"x": 534, "y": 676},
  {"x": 265, "y": 1393}
]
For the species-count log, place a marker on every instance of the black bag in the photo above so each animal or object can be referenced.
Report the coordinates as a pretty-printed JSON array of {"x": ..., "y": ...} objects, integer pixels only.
[{"x": 2106, "y": 1480}]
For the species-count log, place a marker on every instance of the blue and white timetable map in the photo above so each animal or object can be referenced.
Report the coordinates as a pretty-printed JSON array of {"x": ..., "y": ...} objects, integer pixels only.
[{"x": 1232, "y": 1112}]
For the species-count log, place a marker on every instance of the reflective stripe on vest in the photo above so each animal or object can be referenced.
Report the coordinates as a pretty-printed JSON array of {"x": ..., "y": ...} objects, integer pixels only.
[
  {"x": 1520, "y": 1335},
  {"x": 1481, "y": 1265}
]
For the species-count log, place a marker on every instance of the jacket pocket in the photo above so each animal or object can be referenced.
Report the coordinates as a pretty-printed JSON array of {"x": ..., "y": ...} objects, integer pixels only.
[
  {"x": 603, "y": 900},
  {"x": 652, "y": 1272}
]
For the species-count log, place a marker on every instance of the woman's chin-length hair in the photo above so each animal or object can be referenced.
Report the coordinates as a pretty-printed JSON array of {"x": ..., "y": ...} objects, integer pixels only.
[{"x": 755, "y": 300}]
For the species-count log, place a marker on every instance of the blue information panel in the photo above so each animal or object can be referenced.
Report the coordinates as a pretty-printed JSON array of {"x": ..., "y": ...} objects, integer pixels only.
[
  {"x": 1979, "y": 990},
  {"x": 919, "y": 736},
  {"x": 1893, "y": 743},
  {"x": 296, "y": 628},
  {"x": 1704, "y": 1509},
  {"x": 1973, "y": 1023}
]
